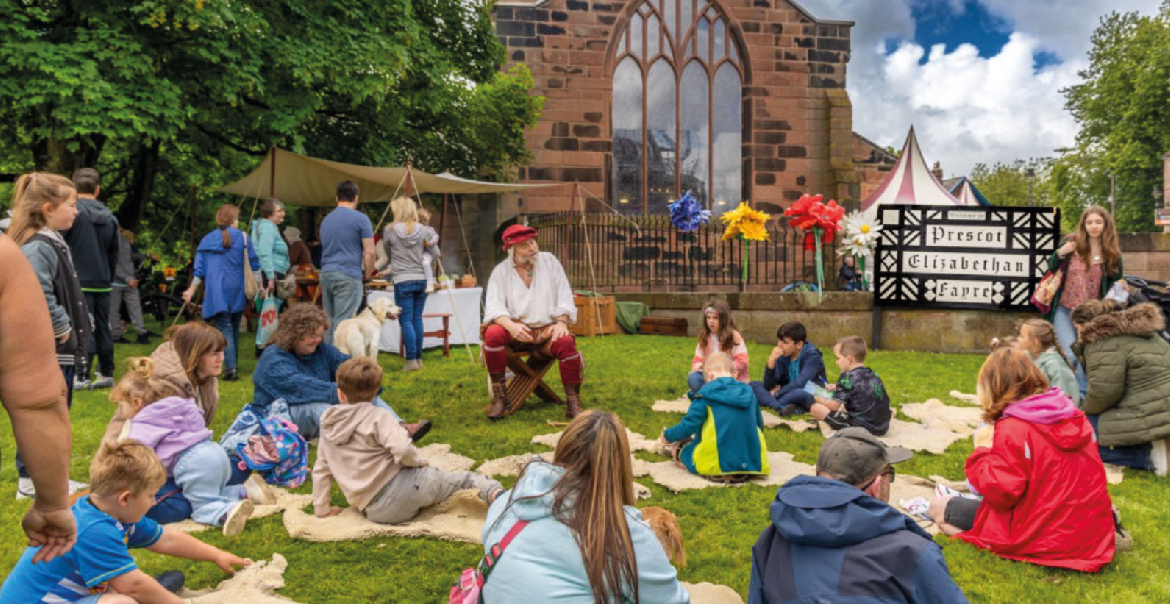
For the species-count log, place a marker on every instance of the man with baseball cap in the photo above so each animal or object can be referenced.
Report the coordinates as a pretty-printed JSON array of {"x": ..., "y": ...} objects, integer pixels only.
[
  {"x": 834, "y": 537},
  {"x": 529, "y": 306}
]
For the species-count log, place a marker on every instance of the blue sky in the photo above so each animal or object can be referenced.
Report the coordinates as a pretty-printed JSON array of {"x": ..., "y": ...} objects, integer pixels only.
[{"x": 964, "y": 22}]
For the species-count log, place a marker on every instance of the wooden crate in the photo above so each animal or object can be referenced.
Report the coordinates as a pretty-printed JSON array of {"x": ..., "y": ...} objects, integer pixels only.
[
  {"x": 663, "y": 326},
  {"x": 587, "y": 311}
]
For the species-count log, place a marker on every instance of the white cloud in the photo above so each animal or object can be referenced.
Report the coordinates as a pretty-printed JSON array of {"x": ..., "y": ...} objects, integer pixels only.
[{"x": 968, "y": 109}]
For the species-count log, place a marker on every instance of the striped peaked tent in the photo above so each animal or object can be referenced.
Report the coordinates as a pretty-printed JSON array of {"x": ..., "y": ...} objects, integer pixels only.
[
  {"x": 966, "y": 191},
  {"x": 911, "y": 182}
]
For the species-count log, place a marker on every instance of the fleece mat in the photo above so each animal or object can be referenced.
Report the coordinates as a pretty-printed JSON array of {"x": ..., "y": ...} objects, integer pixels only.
[
  {"x": 460, "y": 518},
  {"x": 256, "y": 584}
]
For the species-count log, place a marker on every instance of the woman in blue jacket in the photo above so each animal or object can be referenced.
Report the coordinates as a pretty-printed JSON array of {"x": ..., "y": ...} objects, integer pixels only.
[
  {"x": 219, "y": 265},
  {"x": 585, "y": 542}
]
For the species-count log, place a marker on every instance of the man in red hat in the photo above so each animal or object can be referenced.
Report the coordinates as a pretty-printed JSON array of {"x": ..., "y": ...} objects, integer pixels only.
[{"x": 529, "y": 306}]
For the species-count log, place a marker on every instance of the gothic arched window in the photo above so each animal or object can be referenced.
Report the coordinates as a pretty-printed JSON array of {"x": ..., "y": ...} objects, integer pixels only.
[{"x": 677, "y": 104}]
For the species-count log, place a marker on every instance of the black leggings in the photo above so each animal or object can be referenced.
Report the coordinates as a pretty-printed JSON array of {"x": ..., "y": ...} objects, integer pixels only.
[{"x": 960, "y": 513}]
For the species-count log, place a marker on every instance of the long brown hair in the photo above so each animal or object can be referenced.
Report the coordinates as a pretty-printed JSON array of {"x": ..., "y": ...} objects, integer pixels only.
[
  {"x": 192, "y": 341},
  {"x": 1110, "y": 246},
  {"x": 727, "y": 331},
  {"x": 1007, "y": 376},
  {"x": 32, "y": 192},
  {"x": 225, "y": 217},
  {"x": 1045, "y": 334}
]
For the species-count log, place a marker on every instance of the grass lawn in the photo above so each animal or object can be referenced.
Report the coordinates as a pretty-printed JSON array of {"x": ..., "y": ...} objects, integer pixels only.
[{"x": 624, "y": 374}]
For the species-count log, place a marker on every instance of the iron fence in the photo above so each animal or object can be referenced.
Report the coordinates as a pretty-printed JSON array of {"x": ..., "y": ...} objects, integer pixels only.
[{"x": 611, "y": 253}]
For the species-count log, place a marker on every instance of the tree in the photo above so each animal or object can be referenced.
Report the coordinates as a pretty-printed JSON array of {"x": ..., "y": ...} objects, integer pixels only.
[
  {"x": 1123, "y": 107},
  {"x": 1008, "y": 185},
  {"x": 163, "y": 95}
]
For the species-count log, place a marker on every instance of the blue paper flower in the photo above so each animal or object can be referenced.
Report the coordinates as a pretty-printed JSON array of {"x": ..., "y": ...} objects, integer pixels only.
[{"x": 686, "y": 214}]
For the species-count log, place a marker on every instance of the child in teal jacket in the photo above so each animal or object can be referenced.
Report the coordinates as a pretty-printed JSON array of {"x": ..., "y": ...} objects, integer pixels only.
[{"x": 721, "y": 434}]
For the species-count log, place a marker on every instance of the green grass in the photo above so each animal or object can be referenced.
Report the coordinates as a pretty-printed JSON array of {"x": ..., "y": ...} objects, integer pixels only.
[{"x": 624, "y": 374}]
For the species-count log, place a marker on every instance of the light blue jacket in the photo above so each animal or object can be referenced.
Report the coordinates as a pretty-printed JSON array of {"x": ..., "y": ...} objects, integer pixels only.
[
  {"x": 270, "y": 247},
  {"x": 543, "y": 562},
  {"x": 222, "y": 272}
]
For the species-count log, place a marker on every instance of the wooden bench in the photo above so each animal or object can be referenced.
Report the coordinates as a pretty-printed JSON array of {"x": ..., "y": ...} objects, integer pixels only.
[
  {"x": 528, "y": 371},
  {"x": 443, "y": 332}
]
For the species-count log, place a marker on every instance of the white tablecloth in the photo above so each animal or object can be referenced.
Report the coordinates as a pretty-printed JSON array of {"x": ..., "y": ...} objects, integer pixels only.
[{"x": 464, "y": 321}]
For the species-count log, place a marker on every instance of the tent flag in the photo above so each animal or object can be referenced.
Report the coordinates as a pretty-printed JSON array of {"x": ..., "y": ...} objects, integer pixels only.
[
  {"x": 309, "y": 181},
  {"x": 911, "y": 181}
]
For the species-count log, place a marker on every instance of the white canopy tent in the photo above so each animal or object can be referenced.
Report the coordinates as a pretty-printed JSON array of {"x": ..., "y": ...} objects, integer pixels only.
[
  {"x": 309, "y": 181},
  {"x": 911, "y": 181}
]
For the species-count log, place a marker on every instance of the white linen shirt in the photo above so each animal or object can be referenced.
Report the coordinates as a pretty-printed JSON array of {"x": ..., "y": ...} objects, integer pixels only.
[{"x": 549, "y": 297}]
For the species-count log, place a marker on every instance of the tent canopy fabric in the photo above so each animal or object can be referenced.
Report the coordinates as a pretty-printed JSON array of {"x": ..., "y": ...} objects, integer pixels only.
[
  {"x": 911, "y": 181},
  {"x": 966, "y": 192},
  {"x": 309, "y": 181}
]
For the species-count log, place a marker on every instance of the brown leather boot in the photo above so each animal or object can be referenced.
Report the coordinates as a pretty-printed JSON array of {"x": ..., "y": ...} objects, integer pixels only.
[
  {"x": 572, "y": 400},
  {"x": 499, "y": 396}
]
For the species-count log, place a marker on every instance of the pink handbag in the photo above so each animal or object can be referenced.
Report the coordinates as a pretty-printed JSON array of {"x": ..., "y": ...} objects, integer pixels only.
[{"x": 468, "y": 589}]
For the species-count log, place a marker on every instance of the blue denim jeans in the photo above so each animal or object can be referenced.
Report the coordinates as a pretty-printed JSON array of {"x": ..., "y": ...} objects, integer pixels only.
[
  {"x": 411, "y": 296},
  {"x": 797, "y": 397},
  {"x": 228, "y": 323},
  {"x": 341, "y": 296},
  {"x": 202, "y": 472},
  {"x": 1129, "y": 456},
  {"x": 1066, "y": 334},
  {"x": 68, "y": 371},
  {"x": 695, "y": 381},
  {"x": 172, "y": 506},
  {"x": 307, "y": 416}
]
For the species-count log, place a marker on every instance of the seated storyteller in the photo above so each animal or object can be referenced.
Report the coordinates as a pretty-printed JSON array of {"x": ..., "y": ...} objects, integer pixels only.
[
  {"x": 859, "y": 397},
  {"x": 1128, "y": 368},
  {"x": 300, "y": 367},
  {"x": 172, "y": 426},
  {"x": 1045, "y": 498},
  {"x": 370, "y": 455},
  {"x": 99, "y": 569},
  {"x": 834, "y": 537},
  {"x": 722, "y": 432},
  {"x": 793, "y": 363}
]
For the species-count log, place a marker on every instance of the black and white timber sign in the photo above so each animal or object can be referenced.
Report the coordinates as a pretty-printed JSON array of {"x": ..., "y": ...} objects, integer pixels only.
[{"x": 963, "y": 257}]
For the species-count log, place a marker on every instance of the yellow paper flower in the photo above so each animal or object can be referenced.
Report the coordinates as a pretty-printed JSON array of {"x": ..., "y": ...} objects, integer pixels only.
[
  {"x": 754, "y": 231},
  {"x": 745, "y": 221}
]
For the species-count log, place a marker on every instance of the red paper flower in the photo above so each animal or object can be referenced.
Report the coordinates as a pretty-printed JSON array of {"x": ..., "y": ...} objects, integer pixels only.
[{"x": 810, "y": 214}]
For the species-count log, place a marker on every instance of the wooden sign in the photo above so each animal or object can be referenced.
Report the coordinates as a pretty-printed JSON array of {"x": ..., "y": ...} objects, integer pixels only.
[{"x": 962, "y": 257}]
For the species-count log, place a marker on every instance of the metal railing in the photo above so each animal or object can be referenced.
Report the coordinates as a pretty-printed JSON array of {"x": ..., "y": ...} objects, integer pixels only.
[{"x": 611, "y": 253}]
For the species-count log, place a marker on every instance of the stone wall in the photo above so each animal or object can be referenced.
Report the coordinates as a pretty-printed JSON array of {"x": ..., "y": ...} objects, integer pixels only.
[
  {"x": 842, "y": 314},
  {"x": 1146, "y": 255},
  {"x": 797, "y": 134}
]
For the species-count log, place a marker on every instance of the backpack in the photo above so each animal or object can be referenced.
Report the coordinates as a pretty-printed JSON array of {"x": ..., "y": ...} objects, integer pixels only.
[
  {"x": 468, "y": 589},
  {"x": 291, "y": 451}
]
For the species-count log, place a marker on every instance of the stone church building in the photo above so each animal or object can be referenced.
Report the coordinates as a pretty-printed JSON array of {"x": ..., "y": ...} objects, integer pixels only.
[{"x": 646, "y": 99}]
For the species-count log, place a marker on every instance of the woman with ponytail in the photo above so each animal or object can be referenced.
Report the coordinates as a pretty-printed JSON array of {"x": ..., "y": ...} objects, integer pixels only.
[
  {"x": 219, "y": 266},
  {"x": 585, "y": 541},
  {"x": 42, "y": 206}
]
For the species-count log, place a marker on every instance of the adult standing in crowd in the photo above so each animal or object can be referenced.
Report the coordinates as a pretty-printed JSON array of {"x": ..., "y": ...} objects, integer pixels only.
[
  {"x": 1092, "y": 264},
  {"x": 835, "y": 538},
  {"x": 298, "y": 251},
  {"x": 93, "y": 241},
  {"x": 219, "y": 265},
  {"x": 270, "y": 246},
  {"x": 32, "y": 391},
  {"x": 404, "y": 240},
  {"x": 529, "y": 306},
  {"x": 125, "y": 291},
  {"x": 1128, "y": 364},
  {"x": 300, "y": 367},
  {"x": 190, "y": 359},
  {"x": 347, "y": 254}
]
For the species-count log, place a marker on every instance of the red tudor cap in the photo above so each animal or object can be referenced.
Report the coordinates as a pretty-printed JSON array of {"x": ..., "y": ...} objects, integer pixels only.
[{"x": 517, "y": 233}]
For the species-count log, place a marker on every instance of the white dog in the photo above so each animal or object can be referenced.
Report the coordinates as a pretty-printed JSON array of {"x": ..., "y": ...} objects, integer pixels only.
[{"x": 359, "y": 336}]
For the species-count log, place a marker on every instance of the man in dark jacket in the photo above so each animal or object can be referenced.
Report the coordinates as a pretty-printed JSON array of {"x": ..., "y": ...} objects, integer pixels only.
[
  {"x": 793, "y": 363},
  {"x": 93, "y": 241},
  {"x": 834, "y": 538}
]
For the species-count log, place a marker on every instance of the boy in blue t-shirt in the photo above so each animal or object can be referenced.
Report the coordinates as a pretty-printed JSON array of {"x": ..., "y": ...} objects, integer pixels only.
[{"x": 99, "y": 569}]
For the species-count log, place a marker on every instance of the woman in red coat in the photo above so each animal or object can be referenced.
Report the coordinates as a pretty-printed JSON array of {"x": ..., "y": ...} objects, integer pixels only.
[{"x": 1037, "y": 467}]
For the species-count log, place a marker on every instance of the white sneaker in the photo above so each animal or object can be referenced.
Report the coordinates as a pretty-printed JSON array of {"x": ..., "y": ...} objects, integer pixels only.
[
  {"x": 258, "y": 491},
  {"x": 81, "y": 384},
  {"x": 1160, "y": 456},
  {"x": 25, "y": 489},
  {"x": 236, "y": 518},
  {"x": 101, "y": 381},
  {"x": 75, "y": 486}
]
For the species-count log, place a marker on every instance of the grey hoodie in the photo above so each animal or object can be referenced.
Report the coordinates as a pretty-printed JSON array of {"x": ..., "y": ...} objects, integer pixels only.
[
  {"x": 406, "y": 250},
  {"x": 363, "y": 447}
]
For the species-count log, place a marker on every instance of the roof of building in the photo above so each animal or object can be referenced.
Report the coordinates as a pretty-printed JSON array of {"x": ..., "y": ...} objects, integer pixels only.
[{"x": 911, "y": 182}]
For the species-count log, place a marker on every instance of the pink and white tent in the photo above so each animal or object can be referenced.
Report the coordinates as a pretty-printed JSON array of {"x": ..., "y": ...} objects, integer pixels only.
[{"x": 911, "y": 182}]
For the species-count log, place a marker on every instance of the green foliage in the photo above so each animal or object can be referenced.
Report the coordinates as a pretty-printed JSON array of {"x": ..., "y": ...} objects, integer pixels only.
[
  {"x": 626, "y": 374},
  {"x": 1123, "y": 107},
  {"x": 1008, "y": 185}
]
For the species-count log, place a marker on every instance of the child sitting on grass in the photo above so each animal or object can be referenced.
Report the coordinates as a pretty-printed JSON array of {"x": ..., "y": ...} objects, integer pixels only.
[
  {"x": 1038, "y": 339},
  {"x": 859, "y": 397},
  {"x": 724, "y": 426},
  {"x": 718, "y": 334},
  {"x": 174, "y": 428},
  {"x": 123, "y": 478},
  {"x": 794, "y": 362},
  {"x": 370, "y": 454}
]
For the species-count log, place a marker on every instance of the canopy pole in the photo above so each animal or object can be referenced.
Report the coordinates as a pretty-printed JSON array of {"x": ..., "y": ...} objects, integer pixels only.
[
  {"x": 382, "y": 220},
  {"x": 272, "y": 174},
  {"x": 588, "y": 253},
  {"x": 463, "y": 234}
]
